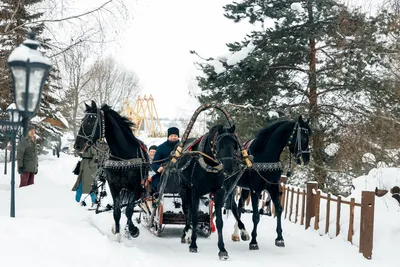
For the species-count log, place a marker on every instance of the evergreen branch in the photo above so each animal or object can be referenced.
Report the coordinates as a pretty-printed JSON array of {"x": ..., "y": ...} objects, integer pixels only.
[
  {"x": 359, "y": 112},
  {"x": 330, "y": 90},
  {"x": 285, "y": 106},
  {"x": 333, "y": 115},
  {"x": 332, "y": 170},
  {"x": 205, "y": 59},
  {"x": 61, "y": 19},
  {"x": 247, "y": 106},
  {"x": 322, "y": 70},
  {"x": 288, "y": 68},
  {"x": 13, "y": 16}
]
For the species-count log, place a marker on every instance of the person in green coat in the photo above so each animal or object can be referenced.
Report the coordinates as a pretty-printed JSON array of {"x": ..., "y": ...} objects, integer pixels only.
[
  {"x": 27, "y": 158},
  {"x": 88, "y": 167}
]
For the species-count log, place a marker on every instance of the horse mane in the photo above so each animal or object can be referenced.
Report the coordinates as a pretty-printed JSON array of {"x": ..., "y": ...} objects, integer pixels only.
[
  {"x": 123, "y": 123},
  {"x": 263, "y": 136},
  {"x": 215, "y": 129}
]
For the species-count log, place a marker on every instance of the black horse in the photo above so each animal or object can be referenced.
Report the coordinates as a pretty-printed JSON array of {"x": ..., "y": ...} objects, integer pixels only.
[
  {"x": 204, "y": 174},
  {"x": 126, "y": 166},
  {"x": 266, "y": 172}
]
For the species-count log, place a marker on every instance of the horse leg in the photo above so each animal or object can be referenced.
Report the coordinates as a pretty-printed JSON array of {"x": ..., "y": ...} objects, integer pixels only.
[
  {"x": 219, "y": 199},
  {"x": 133, "y": 230},
  {"x": 185, "y": 197},
  {"x": 195, "y": 221},
  {"x": 116, "y": 209},
  {"x": 239, "y": 228},
  {"x": 256, "y": 219},
  {"x": 279, "y": 242},
  {"x": 268, "y": 206}
]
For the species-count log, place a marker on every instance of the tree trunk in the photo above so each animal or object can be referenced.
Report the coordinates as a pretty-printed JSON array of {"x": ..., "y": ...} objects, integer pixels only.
[
  {"x": 317, "y": 137},
  {"x": 74, "y": 114}
]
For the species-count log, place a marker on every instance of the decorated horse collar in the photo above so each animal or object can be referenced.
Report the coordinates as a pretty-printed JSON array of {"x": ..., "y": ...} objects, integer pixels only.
[
  {"x": 123, "y": 164},
  {"x": 201, "y": 161}
]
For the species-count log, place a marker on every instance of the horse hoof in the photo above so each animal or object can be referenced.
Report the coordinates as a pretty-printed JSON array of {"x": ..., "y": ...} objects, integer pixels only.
[
  {"x": 116, "y": 238},
  {"x": 280, "y": 243},
  {"x": 253, "y": 246},
  {"x": 113, "y": 229},
  {"x": 235, "y": 238},
  {"x": 245, "y": 236},
  {"x": 193, "y": 250},
  {"x": 223, "y": 255},
  {"x": 135, "y": 233}
]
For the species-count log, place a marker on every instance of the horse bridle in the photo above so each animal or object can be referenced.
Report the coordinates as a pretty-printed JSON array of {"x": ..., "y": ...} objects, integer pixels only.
[
  {"x": 299, "y": 153},
  {"x": 215, "y": 144},
  {"x": 99, "y": 122}
]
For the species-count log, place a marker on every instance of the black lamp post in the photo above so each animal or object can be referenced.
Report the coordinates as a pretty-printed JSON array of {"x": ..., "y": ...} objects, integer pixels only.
[
  {"x": 9, "y": 129},
  {"x": 29, "y": 70},
  {"x": 15, "y": 119}
]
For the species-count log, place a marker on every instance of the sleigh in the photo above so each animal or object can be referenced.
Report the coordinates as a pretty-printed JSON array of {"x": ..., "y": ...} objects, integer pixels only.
[{"x": 167, "y": 210}]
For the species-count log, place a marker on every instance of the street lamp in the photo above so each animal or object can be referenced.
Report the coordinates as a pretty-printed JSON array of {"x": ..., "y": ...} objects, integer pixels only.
[
  {"x": 15, "y": 119},
  {"x": 29, "y": 69},
  {"x": 10, "y": 129},
  {"x": 14, "y": 116}
]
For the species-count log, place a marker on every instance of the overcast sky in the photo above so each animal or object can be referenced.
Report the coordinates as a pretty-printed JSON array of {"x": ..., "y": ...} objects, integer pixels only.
[{"x": 157, "y": 44}]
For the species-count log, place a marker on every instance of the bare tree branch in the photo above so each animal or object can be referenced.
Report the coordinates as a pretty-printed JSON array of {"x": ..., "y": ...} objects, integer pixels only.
[
  {"x": 58, "y": 20},
  {"x": 111, "y": 83}
]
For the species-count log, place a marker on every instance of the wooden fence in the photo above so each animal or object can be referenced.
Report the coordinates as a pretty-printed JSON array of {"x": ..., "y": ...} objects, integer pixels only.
[{"x": 300, "y": 206}]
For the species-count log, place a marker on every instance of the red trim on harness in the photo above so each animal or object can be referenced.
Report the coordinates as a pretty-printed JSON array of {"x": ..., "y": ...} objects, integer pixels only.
[
  {"x": 143, "y": 147},
  {"x": 195, "y": 143},
  {"x": 248, "y": 143}
]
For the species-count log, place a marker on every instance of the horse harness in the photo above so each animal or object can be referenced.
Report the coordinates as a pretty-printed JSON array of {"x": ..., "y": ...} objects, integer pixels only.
[
  {"x": 263, "y": 166},
  {"x": 201, "y": 156},
  {"x": 277, "y": 166}
]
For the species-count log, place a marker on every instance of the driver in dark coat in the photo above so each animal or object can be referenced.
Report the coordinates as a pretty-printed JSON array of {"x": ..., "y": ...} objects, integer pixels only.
[{"x": 162, "y": 156}]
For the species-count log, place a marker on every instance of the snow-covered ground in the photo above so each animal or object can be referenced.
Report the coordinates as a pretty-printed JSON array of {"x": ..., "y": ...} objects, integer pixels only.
[{"x": 51, "y": 229}]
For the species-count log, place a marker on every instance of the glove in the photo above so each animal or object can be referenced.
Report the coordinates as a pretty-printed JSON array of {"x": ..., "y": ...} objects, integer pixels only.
[
  {"x": 21, "y": 170},
  {"x": 36, "y": 172}
]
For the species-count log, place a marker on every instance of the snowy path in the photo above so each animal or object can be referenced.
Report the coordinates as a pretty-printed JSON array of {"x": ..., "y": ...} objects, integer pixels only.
[{"x": 51, "y": 229}]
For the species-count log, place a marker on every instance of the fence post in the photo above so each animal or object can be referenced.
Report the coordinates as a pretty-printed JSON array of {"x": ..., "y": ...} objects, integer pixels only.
[
  {"x": 310, "y": 206},
  {"x": 338, "y": 207},
  {"x": 317, "y": 202},
  {"x": 350, "y": 233},
  {"x": 367, "y": 223}
]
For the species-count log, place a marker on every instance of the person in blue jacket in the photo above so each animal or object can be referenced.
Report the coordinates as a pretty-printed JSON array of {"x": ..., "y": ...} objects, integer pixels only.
[{"x": 162, "y": 155}]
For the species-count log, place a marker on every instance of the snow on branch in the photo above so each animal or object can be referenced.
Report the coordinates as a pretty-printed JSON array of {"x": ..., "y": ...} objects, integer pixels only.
[{"x": 247, "y": 106}]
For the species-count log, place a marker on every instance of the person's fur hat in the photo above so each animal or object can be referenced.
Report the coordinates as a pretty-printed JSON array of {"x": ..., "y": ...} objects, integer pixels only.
[
  {"x": 173, "y": 130},
  {"x": 153, "y": 147}
]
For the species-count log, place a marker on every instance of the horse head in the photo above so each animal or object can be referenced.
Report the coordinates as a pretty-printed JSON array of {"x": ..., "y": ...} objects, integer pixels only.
[
  {"x": 224, "y": 146},
  {"x": 299, "y": 141},
  {"x": 91, "y": 128}
]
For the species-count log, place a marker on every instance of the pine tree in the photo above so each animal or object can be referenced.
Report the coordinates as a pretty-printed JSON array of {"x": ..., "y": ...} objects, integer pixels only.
[
  {"x": 15, "y": 16},
  {"x": 318, "y": 58}
]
